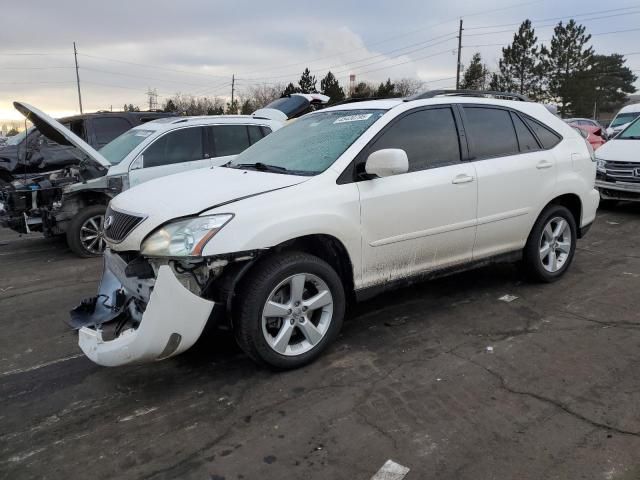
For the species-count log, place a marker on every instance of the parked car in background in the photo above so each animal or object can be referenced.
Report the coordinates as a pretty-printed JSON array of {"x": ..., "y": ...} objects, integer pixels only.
[
  {"x": 587, "y": 122},
  {"x": 72, "y": 201},
  {"x": 338, "y": 206},
  {"x": 3, "y": 140},
  {"x": 32, "y": 152},
  {"x": 591, "y": 134},
  {"x": 618, "y": 166},
  {"x": 623, "y": 118}
]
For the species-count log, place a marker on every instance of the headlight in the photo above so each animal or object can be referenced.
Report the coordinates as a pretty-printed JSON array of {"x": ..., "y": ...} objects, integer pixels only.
[
  {"x": 184, "y": 238},
  {"x": 601, "y": 165}
]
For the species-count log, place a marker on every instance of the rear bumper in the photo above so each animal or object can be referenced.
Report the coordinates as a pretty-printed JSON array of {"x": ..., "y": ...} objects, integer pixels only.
[
  {"x": 618, "y": 190},
  {"x": 172, "y": 320}
]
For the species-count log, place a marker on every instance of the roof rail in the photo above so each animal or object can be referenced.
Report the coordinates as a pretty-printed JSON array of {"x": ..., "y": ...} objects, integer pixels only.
[
  {"x": 469, "y": 93},
  {"x": 362, "y": 99}
]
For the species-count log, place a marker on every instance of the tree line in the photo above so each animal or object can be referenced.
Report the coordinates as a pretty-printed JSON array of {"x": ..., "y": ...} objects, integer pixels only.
[{"x": 566, "y": 72}]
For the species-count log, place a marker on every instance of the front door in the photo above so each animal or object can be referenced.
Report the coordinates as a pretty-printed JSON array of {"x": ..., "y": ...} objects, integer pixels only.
[
  {"x": 173, "y": 152},
  {"x": 423, "y": 219}
]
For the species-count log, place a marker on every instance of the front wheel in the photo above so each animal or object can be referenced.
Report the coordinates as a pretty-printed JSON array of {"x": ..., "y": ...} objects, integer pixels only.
[
  {"x": 85, "y": 235},
  {"x": 551, "y": 244},
  {"x": 289, "y": 310}
]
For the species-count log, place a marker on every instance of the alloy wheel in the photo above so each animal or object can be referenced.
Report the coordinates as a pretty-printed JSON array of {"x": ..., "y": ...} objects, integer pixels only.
[
  {"x": 555, "y": 244},
  {"x": 297, "y": 314},
  {"x": 92, "y": 234}
]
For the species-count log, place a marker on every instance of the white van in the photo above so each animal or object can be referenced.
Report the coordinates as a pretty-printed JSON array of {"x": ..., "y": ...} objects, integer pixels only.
[{"x": 623, "y": 118}]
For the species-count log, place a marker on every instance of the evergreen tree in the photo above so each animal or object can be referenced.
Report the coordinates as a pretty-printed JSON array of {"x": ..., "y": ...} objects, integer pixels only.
[
  {"x": 307, "y": 82},
  {"x": 291, "y": 88},
  {"x": 386, "y": 90},
  {"x": 362, "y": 90},
  {"x": 232, "y": 108},
  {"x": 169, "y": 106},
  {"x": 568, "y": 58},
  {"x": 331, "y": 88},
  {"x": 476, "y": 74},
  {"x": 246, "y": 108},
  {"x": 520, "y": 68},
  {"x": 603, "y": 87}
]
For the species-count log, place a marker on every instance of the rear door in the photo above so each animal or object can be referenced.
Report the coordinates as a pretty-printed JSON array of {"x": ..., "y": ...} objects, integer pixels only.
[
  {"x": 175, "y": 151},
  {"x": 423, "y": 219},
  {"x": 516, "y": 175}
]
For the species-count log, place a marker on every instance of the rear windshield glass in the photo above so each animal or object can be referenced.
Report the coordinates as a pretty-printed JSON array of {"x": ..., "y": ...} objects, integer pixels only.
[{"x": 116, "y": 150}]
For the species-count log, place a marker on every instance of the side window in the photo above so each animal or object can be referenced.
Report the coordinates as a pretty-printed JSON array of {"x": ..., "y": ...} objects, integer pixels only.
[
  {"x": 184, "y": 145},
  {"x": 527, "y": 141},
  {"x": 265, "y": 131},
  {"x": 77, "y": 127},
  {"x": 548, "y": 138},
  {"x": 255, "y": 133},
  {"x": 491, "y": 131},
  {"x": 230, "y": 139},
  {"x": 108, "y": 128},
  {"x": 429, "y": 137}
]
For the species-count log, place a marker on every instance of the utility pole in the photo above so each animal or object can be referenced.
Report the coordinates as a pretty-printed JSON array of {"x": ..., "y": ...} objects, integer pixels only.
[
  {"x": 459, "y": 52},
  {"x": 153, "y": 98},
  {"x": 233, "y": 87},
  {"x": 75, "y": 56}
]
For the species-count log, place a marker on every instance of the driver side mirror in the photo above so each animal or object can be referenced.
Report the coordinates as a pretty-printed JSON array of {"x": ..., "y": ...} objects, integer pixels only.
[{"x": 387, "y": 162}]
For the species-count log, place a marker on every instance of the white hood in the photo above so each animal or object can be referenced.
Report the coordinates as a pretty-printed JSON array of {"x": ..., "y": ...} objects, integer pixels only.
[
  {"x": 55, "y": 131},
  {"x": 620, "y": 150},
  {"x": 191, "y": 193}
]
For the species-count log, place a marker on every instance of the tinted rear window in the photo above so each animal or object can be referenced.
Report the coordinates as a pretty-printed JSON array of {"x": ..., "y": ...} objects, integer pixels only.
[
  {"x": 491, "y": 131},
  {"x": 527, "y": 141},
  {"x": 230, "y": 139},
  {"x": 547, "y": 137}
]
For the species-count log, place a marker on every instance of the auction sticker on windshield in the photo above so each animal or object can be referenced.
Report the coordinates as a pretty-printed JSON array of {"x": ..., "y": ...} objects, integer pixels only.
[{"x": 353, "y": 118}]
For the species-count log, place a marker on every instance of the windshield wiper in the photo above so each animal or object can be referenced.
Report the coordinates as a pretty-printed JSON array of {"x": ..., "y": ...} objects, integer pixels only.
[{"x": 262, "y": 167}]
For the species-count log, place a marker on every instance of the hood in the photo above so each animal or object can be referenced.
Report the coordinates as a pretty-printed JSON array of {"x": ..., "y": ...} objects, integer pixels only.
[
  {"x": 617, "y": 129},
  {"x": 56, "y": 132},
  {"x": 620, "y": 150},
  {"x": 193, "y": 192}
]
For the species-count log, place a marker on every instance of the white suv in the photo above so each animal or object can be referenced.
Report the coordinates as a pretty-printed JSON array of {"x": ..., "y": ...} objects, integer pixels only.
[{"x": 341, "y": 204}]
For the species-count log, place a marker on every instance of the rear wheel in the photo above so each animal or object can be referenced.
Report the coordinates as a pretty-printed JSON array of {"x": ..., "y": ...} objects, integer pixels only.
[
  {"x": 289, "y": 310},
  {"x": 85, "y": 235},
  {"x": 551, "y": 245}
]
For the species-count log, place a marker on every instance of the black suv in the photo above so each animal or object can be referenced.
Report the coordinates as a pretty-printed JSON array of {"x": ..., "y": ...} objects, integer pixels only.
[{"x": 39, "y": 154}]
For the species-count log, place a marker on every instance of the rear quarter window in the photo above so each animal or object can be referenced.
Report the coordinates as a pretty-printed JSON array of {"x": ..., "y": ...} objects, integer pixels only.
[{"x": 547, "y": 137}]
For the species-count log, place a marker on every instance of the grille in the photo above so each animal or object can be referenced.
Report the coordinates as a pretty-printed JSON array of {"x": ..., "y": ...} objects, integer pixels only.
[
  {"x": 623, "y": 171},
  {"x": 120, "y": 224}
]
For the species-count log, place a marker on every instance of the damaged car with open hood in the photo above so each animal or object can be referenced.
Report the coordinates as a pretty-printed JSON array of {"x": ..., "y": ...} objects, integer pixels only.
[
  {"x": 72, "y": 200},
  {"x": 337, "y": 206}
]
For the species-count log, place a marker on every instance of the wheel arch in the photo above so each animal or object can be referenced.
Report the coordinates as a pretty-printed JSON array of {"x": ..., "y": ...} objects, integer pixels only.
[{"x": 573, "y": 203}]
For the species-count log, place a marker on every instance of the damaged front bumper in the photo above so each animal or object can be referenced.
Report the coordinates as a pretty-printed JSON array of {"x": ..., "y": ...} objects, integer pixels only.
[{"x": 163, "y": 318}]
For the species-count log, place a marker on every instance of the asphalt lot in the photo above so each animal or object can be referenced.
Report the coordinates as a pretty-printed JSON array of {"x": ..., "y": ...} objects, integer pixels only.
[{"x": 442, "y": 378}]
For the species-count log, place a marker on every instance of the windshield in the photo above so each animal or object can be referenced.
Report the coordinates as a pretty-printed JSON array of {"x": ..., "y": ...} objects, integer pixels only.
[
  {"x": 632, "y": 132},
  {"x": 623, "y": 118},
  {"x": 309, "y": 145},
  {"x": 18, "y": 138},
  {"x": 117, "y": 149}
]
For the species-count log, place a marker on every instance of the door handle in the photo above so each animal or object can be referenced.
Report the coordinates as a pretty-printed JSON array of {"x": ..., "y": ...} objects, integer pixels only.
[
  {"x": 462, "y": 178},
  {"x": 544, "y": 164}
]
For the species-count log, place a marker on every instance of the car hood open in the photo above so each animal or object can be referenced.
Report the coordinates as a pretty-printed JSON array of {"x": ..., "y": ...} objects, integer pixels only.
[
  {"x": 56, "y": 132},
  {"x": 194, "y": 192}
]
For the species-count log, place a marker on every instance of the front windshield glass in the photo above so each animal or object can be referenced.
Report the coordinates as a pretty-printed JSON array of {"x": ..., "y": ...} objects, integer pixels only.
[
  {"x": 121, "y": 146},
  {"x": 310, "y": 145},
  {"x": 16, "y": 139},
  {"x": 623, "y": 118},
  {"x": 632, "y": 132}
]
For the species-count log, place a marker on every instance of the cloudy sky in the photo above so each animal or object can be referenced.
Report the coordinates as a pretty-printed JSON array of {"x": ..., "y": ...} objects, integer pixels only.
[{"x": 194, "y": 46}]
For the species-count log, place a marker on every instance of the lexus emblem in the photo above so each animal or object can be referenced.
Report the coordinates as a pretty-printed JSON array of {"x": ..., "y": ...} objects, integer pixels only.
[{"x": 108, "y": 221}]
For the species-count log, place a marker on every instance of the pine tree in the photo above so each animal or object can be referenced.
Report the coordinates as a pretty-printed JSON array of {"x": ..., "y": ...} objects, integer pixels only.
[
  {"x": 307, "y": 82},
  {"x": 568, "y": 58},
  {"x": 520, "y": 68},
  {"x": 476, "y": 74},
  {"x": 170, "y": 106},
  {"x": 331, "y": 88},
  {"x": 232, "y": 108},
  {"x": 291, "y": 88},
  {"x": 386, "y": 90},
  {"x": 362, "y": 90},
  {"x": 246, "y": 108}
]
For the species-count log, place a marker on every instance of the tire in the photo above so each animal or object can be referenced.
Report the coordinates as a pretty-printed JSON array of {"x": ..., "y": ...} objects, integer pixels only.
[
  {"x": 77, "y": 230},
  {"x": 549, "y": 268},
  {"x": 312, "y": 329},
  {"x": 607, "y": 203}
]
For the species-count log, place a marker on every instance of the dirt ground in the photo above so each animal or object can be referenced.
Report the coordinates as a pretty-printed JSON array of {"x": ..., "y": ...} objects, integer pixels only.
[{"x": 442, "y": 378}]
